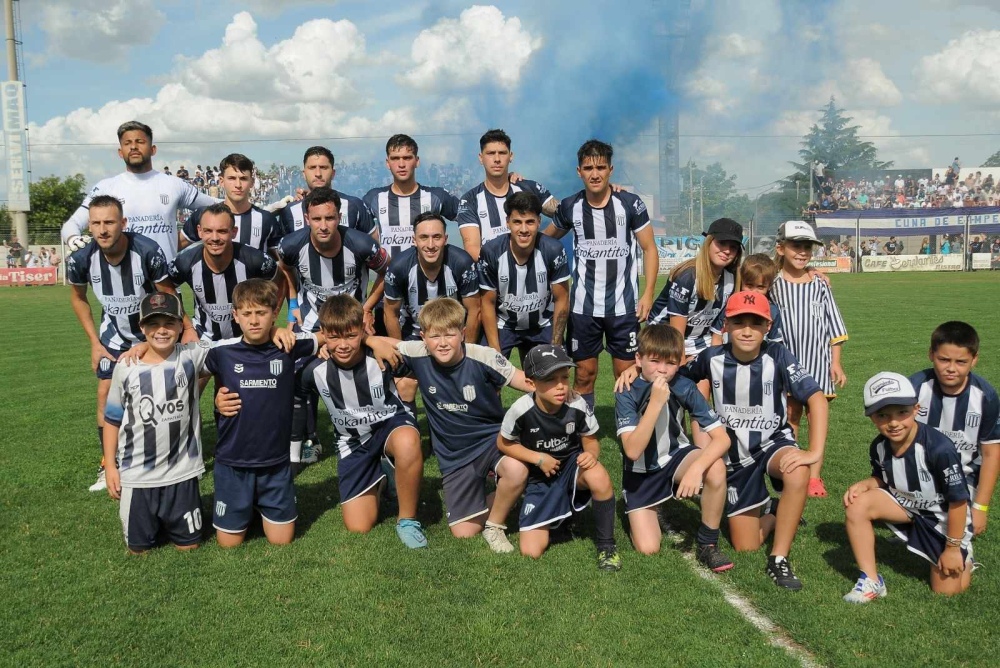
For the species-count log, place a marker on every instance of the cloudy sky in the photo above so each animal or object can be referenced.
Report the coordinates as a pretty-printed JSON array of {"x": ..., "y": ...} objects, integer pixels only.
[{"x": 271, "y": 77}]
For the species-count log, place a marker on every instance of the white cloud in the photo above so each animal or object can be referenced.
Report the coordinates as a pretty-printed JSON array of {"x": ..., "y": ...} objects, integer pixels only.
[
  {"x": 966, "y": 70},
  {"x": 737, "y": 46},
  {"x": 867, "y": 85},
  {"x": 97, "y": 30},
  {"x": 712, "y": 93},
  {"x": 481, "y": 45}
]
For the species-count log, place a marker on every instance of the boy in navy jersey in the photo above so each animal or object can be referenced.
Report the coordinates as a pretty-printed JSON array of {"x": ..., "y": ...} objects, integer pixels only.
[
  {"x": 553, "y": 431},
  {"x": 659, "y": 463},
  {"x": 917, "y": 486},
  {"x": 965, "y": 407}
]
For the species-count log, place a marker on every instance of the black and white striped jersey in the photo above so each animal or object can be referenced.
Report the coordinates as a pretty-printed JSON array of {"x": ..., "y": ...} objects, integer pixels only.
[
  {"x": 395, "y": 213},
  {"x": 680, "y": 297},
  {"x": 482, "y": 209},
  {"x": 255, "y": 227},
  {"x": 523, "y": 294},
  {"x": 405, "y": 282},
  {"x": 354, "y": 213}
]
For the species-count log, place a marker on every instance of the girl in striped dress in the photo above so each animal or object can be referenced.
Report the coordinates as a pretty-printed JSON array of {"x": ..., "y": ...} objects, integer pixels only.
[{"x": 813, "y": 327}]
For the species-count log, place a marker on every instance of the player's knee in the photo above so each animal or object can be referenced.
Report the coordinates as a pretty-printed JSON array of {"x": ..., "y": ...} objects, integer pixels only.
[
  {"x": 515, "y": 472},
  {"x": 746, "y": 544},
  {"x": 646, "y": 545},
  {"x": 599, "y": 483},
  {"x": 715, "y": 477},
  {"x": 465, "y": 530},
  {"x": 533, "y": 551}
]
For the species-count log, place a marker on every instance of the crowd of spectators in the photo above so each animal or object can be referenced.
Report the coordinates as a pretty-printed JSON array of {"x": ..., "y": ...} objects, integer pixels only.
[{"x": 946, "y": 244}]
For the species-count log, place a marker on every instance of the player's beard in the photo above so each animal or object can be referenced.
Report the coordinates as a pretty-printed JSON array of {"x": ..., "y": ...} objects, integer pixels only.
[{"x": 144, "y": 164}]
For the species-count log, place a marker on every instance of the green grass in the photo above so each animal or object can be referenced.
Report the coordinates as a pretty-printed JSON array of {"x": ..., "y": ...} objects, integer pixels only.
[{"x": 71, "y": 595}]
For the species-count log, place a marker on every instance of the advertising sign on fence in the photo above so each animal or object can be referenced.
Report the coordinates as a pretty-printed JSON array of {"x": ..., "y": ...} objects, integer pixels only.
[
  {"x": 986, "y": 260},
  {"x": 831, "y": 265},
  {"x": 872, "y": 263},
  {"x": 35, "y": 276}
]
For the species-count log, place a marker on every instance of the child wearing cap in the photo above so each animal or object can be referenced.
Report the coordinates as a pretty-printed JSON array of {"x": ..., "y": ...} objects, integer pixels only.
[
  {"x": 552, "y": 430},
  {"x": 812, "y": 326},
  {"x": 917, "y": 487}
]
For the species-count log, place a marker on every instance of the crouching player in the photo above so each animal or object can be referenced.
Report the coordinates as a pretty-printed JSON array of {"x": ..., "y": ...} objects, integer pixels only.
[
  {"x": 750, "y": 381},
  {"x": 659, "y": 463},
  {"x": 917, "y": 486},
  {"x": 552, "y": 430}
]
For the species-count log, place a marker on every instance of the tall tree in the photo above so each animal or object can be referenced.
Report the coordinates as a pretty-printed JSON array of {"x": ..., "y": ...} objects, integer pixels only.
[
  {"x": 834, "y": 142},
  {"x": 993, "y": 160},
  {"x": 53, "y": 200},
  {"x": 721, "y": 198}
]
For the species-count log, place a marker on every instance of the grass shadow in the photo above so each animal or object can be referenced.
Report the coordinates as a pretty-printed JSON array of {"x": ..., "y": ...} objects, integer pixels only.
[{"x": 839, "y": 557}]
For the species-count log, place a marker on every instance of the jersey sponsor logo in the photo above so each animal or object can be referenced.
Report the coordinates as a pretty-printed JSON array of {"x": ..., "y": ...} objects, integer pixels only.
[
  {"x": 922, "y": 411},
  {"x": 639, "y": 206},
  {"x": 973, "y": 419},
  {"x": 679, "y": 292},
  {"x": 153, "y": 413},
  {"x": 469, "y": 392},
  {"x": 502, "y": 362},
  {"x": 238, "y": 368},
  {"x": 797, "y": 373},
  {"x": 259, "y": 383},
  {"x": 533, "y": 430},
  {"x": 953, "y": 475},
  {"x": 483, "y": 214},
  {"x": 749, "y": 417},
  {"x": 199, "y": 288},
  {"x": 220, "y": 508},
  {"x": 276, "y": 366},
  {"x": 560, "y": 443},
  {"x": 453, "y": 407}
]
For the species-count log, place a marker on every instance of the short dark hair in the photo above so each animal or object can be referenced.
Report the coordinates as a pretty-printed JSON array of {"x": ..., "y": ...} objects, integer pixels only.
[
  {"x": 494, "y": 135},
  {"x": 594, "y": 148},
  {"x": 318, "y": 150},
  {"x": 956, "y": 333},
  {"x": 237, "y": 161},
  {"x": 218, "y": 209},
  {"x": 129, "y": 126},
  {"x": 397, "y": 142},
  {"x": 523, "y": 202},
  {"x": 319, "y": 196},
  {"x": 107, "y": 200},
  {"x": 340, "y": 314},
  {"x": 428, "y": 215}
]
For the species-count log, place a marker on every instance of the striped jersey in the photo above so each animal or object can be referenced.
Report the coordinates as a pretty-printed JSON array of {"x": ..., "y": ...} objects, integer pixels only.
[
  {"x": 395, "y": 213},
  {"x": 406, "y": 282},
  {"x": 155, "y": 407},
  {"x": 119, "y": 287},
  {"x": 680, "y": 297},
  {"x": 255, "y": 227},
  {"x": 264, "y": 377},
  {"x": 774, "y": 334},
  {"x": 554, "y": 434},
  {"x": 811, "y": 324},
  {"x": 925, "y": 479},
  {"x": 970, "y": 419},
  {"x": 523, "y": 297},
  {"x": 462, "y": 402},
  {"x": 358, "y": 399},
  {"x": 354, "y": 214},
  {"x": 668, "y": 434},
  {"x": 606, "y": 271},
  {"x": 213, "y": 293},
  {"x": 750, "y": 397},
  {"x": 321, "y": 277},
  {"x": 482, "y": 209}
]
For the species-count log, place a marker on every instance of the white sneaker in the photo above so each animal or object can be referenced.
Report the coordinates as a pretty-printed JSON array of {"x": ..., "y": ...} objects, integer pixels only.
[
  {"x": 309, "y": 454},
  {"x": 866, "y": 590},
  {"x": 317, "y": 447},
  {"x": 496, "y": 538},
  {"x": 102, "y": 482}
]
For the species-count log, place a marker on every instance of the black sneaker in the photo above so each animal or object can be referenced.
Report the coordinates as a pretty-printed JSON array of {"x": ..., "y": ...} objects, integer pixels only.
[
  {"x": 608, "y": 560},
  {"x": 712, "y": 558},
  {"x": 781, "y": 573}
]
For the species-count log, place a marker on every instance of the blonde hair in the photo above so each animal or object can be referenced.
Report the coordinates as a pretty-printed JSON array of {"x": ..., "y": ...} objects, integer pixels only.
[
  {"x": 441, "y": 314},
  {"x": 758, "y": 268},
  {"x": 704, "y": 277}
]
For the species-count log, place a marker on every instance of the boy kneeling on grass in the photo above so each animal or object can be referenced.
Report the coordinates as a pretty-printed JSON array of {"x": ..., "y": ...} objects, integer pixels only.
[
  {"x": 552, "y": 431},
  {"x": 917, "y": 487}
]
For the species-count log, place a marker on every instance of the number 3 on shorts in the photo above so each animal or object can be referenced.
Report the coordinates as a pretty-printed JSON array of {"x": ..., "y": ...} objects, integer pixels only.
[{"x": 632, "y": 340}]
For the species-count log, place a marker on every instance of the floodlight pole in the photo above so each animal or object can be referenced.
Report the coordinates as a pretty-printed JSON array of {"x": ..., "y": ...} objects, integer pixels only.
[{"x": 19, "y": 218}]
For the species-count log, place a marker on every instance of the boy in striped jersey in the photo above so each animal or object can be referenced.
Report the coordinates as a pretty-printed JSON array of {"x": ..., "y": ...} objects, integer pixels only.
[
  {"x": 965, "y": 407},
  {"x": 659, "y": 463},
  {"x": 917, "y": 487}
]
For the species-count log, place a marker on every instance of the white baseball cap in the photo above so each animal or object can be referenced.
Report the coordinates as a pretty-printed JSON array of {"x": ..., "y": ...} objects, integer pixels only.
[
  {"x": 888, "y": 389},
  {"x": 797, "y": 230}
]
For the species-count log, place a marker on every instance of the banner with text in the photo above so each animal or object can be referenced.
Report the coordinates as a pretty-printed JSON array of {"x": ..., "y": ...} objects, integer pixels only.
[
  {"x": 16, "y": 144},
  {"x": 38, "y": 276},
  {"x": 831, "y": 265},
  {"x": 986, "y": 260},
  {"x": 881, "y": 222},
  {"x": 674, "y": 250},
  {"x": 875, "y": 263}
]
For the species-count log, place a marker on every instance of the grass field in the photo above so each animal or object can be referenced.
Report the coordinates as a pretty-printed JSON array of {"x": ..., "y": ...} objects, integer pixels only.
[{"x": 71, "y": 595}]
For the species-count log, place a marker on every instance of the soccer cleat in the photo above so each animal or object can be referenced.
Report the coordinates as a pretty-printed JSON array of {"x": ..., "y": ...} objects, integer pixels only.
[
  {"x": 309, "y": 455},
  {"x": 102, "y": 482},
  {"x": 411, "y": 533},
  {"x": 317, "y": 446},
  {"x": 866, "y": 590},
  {"x": 497, "y": 539},
  {"x": 816, "y": 488},
  {"x": 609, "y": 560},
  {"x": 782, "y": 574},
  {"x": 712, "y": 558}
]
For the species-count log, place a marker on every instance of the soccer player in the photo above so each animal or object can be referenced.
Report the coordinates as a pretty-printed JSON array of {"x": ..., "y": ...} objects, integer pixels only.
[
  {"x": 553, "y": 430},
  {"x": 750, "y": 381},
  {"x": 917, "y": 487},
  {"x": 965, "y": 407},
  {"x": 122, "y": 267},
  {"x": 482, "y": 214},
  {"x": 524, "y": 279},
  {"x": 319, "y": 171},
  {"x": 257, "y": 228},
  {"x": 150, "y": 198},
  {"x": 605, "y": 307}
]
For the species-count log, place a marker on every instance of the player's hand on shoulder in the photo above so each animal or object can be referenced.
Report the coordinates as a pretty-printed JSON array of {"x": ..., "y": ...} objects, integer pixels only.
[
  {"x": 78, "y": 241},
  {"x": 133, "y": 354},
  {"x": 190, "y": 335},
  {"x": 284, "y": 338},
  {"x": 227, "y": 403},
  {"x": 515, "y": 177},
  {"x": 323, "y": 353},
  {"x": 114, "y": 481},
  {"x": 624, "y": 382},
  {"x": 385, "y": 352}
]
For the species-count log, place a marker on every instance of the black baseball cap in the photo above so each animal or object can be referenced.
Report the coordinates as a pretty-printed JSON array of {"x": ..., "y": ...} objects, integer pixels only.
[
  {"x": 160, "y": 303},
  {"x": 545, "y": 359},
  {"x": 725, "y": 229}
]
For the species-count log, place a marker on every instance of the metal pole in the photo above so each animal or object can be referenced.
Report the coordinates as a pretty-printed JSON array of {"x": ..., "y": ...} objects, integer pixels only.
[
  {"x": 19, "y": 218},
  {"x": 701, "y": 200},
  {"x": 811, "y": 177},
  {"x": 690, "y": 197}
]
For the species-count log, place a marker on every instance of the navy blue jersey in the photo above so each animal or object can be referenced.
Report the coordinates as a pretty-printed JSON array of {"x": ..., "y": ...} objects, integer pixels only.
[
  {"x": 680, "y": 297},
  {"x": 555, "y": 434},
  {"x": 668, "y": 434},
  {"x": 970, "y": 419},
  {"x": 320, "y": 277},
  {"x": 773, "y": 335},
  {"x": 354, "y": 214},
  {"x": 406, "y": 282},
  {"x": 523, "y": 298},
  {"x": 750, "y": 397},
  {"x": 606, "y": 272},
  {"x": 264, "y": 377},
  {"x": 395, "y": 213},
  {"x": 482, "y": 209},
  {"x": 213, "y": 293},
  {"x": 462, "y": 402},
  {"x": 119, "y": 287},
  {"x": 255, "y": 227}
]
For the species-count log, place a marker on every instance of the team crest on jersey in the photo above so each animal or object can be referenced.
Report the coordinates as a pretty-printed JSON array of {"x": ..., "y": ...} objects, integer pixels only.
[
  {"x": 377, "y": 391},
  {"x": 220, "y": 508},
  {"x": 238, "y": 368},
  {"x": 181, "y": 379},
  {"x": 973, "y": 419},
  {"x": 620, "y": 221},
  {"x": 164, "y": 199},
  {"x": 105, "y": 364},
  {"x": 424, "y": 208},
  {"x": 469, "y": 392},
  {"x": 137, "y": 278},
  {"x": 255, "y": 233},
  {"x": 817, "y": 310},
  {"x": 540, "y": 276},
  {"x": 276, "y": 366},
  {"x": 570, "y": 428},
  {"x": 925, "y": 475},
  {"x": 350, "y": 271},
  {"x": 768, "y": 387}
]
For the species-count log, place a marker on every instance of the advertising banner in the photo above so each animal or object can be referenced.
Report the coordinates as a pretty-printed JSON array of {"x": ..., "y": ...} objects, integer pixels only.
[
  {"x": 873, "y": 263},
  {"x": 832, "y": 265},
  {"x": 16, "y": 143},
  {"x": 986, "y": 260},
  {"x": 674, "y": 250},
  {"x": 36, "y": 276}
]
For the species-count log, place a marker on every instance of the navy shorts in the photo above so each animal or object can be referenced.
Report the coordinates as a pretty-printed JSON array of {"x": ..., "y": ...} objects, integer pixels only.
[
  {"x": 548, "y": 502},
  {"x": 238, "y": 489},
  {"x": 465, "y": 487},
  {"x": 524, "y": 340},
  {"x": 106, "y": 367},
  {"x": 647, "y": 490},
  {"x": 362, "y": 469},
  {"x": 587, "y": 336},
  {"x": 923, "y": 539},
  {"x": 152, "y": 516},
  {"x": 746, "y": 488}
]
